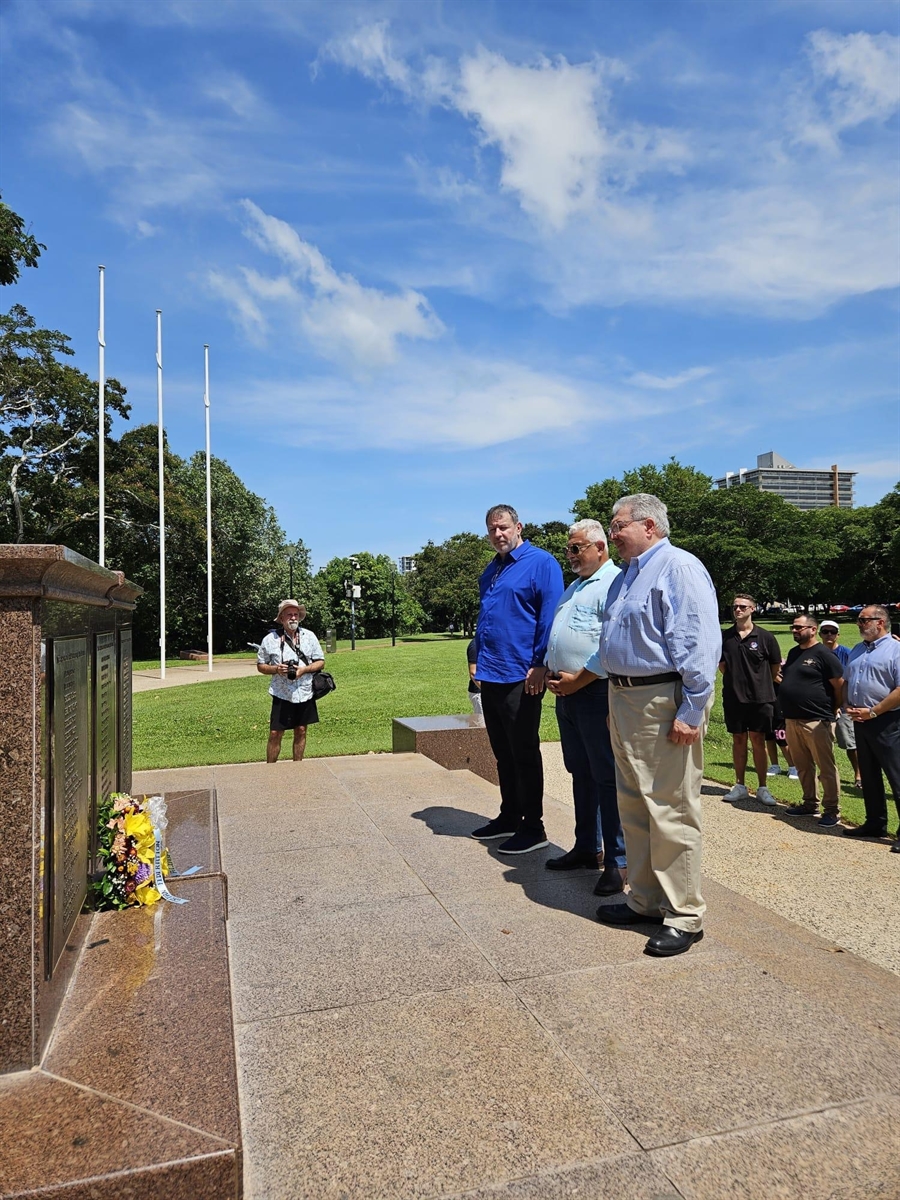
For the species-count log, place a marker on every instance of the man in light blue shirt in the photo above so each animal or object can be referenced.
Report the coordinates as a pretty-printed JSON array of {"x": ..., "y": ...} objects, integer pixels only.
[
  {"x": 872, "y": 700},
  {"x": 660, "y": 645},
  {"x": 582, "y": 709}
]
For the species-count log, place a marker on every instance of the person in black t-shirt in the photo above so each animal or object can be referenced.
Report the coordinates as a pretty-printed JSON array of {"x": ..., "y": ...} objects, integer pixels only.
[
  {"x": 809, "y": 695},
  {"x": 751, "y": 658}
]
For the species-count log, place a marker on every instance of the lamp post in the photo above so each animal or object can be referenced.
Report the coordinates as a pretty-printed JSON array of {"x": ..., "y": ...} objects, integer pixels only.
[
  {"x": 393, "y": 608},
  {"x": 354, "y": 593},
  {"x": 290, "y": 575}
]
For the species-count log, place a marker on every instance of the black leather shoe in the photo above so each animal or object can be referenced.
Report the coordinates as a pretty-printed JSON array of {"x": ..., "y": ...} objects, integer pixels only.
[
  {"x": 895, "y": 848},
  {"x": 575, "y": 860},
  {"x": 610, "y": 881},
  {"x": 621, "y": 914},
  {"x": 865, "y": 830},
  {"x": 671, "y": 941}
]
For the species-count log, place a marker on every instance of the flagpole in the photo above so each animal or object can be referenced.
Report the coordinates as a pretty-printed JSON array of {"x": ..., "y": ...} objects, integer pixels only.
[
  {"x": 209, "y": 590},
  {"x": 162, "y": 502},
  {"x": 101, "y": 434}
]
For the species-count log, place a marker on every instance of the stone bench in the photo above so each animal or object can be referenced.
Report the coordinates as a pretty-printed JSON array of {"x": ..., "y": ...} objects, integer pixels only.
[{"x": 458, "y": 742}]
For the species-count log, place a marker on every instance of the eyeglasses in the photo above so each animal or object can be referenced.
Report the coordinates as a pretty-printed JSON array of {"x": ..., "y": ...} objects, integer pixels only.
[
  {"x": 800, "y": 628},
  {"x": 740, "y": 607},
  {"x": 618, "y": 526},
  {"x": 866, "y": 620},
  {"x": 578, "y": 549}
]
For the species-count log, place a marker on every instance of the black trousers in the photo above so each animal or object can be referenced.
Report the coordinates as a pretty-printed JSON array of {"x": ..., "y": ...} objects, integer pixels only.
[
  {"x": 513, "y": 722},
  {"x": 878, "y": 747}
]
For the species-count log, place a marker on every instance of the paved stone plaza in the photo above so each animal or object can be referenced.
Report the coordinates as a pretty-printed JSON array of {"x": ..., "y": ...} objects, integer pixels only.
[{"x": 417, "y": 1017}]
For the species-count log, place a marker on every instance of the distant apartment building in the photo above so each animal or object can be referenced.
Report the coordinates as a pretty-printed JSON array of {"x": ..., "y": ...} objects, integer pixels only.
[
  {"x": 406, "y": 563},
  {"x": 805, "y": 489}
]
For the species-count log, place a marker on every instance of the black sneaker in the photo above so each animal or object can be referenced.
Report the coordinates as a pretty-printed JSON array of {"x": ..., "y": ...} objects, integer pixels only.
[
  {"x": 493, "y": 829},
  {"x": 866, "y": 830},
  {"x": 523, "y": 843},
  {"x": 798, "y": 810}
]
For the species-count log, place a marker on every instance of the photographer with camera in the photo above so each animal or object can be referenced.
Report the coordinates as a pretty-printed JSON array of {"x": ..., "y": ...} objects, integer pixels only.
[{"x": 291, "y": 655}]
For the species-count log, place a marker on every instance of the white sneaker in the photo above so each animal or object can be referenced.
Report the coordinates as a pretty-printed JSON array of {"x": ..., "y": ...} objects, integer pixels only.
[
  {"x": 774, "y": 769},
  {"x": 793, "y": 773},
  {"x": 738, "y": 792},
  {"x": 764, "y": 796}
]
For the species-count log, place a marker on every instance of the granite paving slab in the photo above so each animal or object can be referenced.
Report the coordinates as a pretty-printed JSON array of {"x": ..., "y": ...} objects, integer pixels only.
[
  {"x": 297, "y": 828},
  {"x": 53, "y": 1132},
  {"x": 697, "y": 1045},
  {"x": 309, "y": 880},
  {"x": 631, "y": 1177},
  {"x": 352, "y": 955},
  {"x": 846, "y": 1153},
  {"x": 419, "y": 1097}
]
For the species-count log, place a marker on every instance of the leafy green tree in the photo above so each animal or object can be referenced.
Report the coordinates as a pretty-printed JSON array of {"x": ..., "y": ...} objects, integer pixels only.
[
  {"x": 682, "y": 489},
  {"x": 383, "y": 594},
  {"x": 445, "y": 581},
  {"x": 48, "y": 432},
  {"x": 17, "y": 246}
]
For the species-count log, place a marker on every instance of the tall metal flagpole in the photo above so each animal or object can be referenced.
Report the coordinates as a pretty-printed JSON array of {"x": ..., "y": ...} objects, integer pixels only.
[
  {"x": 162, "y": 502},
  {"x": 101, "y": 433},
  {"x": 209, "y": 609}
]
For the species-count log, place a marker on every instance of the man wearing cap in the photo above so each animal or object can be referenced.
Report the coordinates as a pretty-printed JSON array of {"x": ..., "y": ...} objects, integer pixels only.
[
  {"x": 660, "y": 646},
  {"x": 872, "y": 699},
  {"x": 751, "y": 661},
  {"x": 844, "y": 732},
  {"x": 291, "y": 655}
]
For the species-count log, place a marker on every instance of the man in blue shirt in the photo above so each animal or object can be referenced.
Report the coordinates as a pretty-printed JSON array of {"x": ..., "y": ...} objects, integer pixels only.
[
  {"x": 582, "y": 709},
  {"x": 872, "y": 700},
  {"x": 519, "y": 589},
  {"x": 660, "y": 646}
]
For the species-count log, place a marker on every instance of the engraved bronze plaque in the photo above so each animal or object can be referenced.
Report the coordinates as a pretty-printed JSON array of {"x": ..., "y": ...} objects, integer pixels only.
[
  {"x": 124, "y": 710},
  {"x": 105, "y": 730},
  {"x": 70, "y": 794}
]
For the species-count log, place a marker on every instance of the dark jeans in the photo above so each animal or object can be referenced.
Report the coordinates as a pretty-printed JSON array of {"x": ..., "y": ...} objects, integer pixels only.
[
  {"x": 878, "y": 747},
  {"x": 513, "y": 722},
  {"x": 588, "y": 755}
]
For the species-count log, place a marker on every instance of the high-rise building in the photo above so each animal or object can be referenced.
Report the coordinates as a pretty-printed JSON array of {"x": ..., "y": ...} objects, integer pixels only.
[
  {"x": 406, "y": 563},
  {"x": 806, "y": 489}
]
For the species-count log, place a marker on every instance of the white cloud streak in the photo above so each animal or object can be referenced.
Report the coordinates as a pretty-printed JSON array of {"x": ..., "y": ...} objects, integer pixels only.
[{"x": 339, "y": 317}]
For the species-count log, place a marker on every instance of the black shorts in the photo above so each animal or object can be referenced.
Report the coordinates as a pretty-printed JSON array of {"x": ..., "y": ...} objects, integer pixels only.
[
  {"x": 286, "y": 715},
  {"x": 748, "y": 718}
]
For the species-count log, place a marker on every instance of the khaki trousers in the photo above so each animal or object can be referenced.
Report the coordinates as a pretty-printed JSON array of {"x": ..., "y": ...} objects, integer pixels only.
[
  {"x": 658, "y": 785},
  {"x": 811, "y": 744}
]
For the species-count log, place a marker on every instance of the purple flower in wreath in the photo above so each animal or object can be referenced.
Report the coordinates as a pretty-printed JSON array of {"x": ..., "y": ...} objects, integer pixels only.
[{"x": 143, "y": 874}]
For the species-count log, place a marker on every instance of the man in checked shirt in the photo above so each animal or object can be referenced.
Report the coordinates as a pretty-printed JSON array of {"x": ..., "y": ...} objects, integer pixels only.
[{"x": 660, "y": 646}]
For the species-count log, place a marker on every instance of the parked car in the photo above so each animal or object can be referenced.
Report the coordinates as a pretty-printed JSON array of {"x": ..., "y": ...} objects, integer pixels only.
[{"x": 838, "y": 608}]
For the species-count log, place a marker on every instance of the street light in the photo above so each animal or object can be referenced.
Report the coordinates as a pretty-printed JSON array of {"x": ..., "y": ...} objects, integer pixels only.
[
  {"x": 353, "y": 592},
  {"x": 393, "y": 609}
]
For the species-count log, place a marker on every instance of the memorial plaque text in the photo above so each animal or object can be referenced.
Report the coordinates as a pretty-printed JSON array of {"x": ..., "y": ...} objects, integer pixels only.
[{"x": 71, "y": 788}]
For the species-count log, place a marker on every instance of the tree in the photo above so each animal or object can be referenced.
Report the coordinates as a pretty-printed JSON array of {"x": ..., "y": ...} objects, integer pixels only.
[
  {"x": 445, "y": 581},
  {"x": 679, "y": 487},
  {"x": 384, "y": 596},
  {"x": 16, "y": 246},
  {"x": 552, "y": 536},
  {"x": 48, "y": 431}
]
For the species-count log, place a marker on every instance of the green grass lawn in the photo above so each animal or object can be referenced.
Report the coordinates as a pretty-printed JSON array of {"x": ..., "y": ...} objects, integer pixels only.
[{"x": 227, "y": 721}]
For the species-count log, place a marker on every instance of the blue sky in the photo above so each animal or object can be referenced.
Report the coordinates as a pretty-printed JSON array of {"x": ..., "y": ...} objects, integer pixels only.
[{"x": 450, "y": 254}]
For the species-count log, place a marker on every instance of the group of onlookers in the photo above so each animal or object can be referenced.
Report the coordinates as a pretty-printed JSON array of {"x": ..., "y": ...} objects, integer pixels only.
[
  {"x": 631, "y": 652},
  {"x": 827, "y": 694}
]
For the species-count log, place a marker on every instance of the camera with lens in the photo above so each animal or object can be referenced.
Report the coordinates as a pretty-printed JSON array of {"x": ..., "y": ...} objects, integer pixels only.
[{"x": 292, "y": 671}]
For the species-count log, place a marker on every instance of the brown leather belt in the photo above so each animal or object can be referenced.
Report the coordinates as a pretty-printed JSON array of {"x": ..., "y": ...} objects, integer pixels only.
[{"x": 643, "y": 680}]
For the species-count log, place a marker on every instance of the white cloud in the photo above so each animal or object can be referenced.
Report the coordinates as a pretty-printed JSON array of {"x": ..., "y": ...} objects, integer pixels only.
[
  {"x": 368, "y": 49},
  {"x": 449, "y": 402},
  {"x": 857, "y": 78},
  {"x": 243, "y": 307},
  {"x": 666, "y": 383},
  {"x": 339, "y": 316}
]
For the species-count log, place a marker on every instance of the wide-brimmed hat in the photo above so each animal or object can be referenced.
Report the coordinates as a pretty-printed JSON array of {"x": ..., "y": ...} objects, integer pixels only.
[
  {"x": 289, "y": 604},
  {"x": 829, "y": 625}
]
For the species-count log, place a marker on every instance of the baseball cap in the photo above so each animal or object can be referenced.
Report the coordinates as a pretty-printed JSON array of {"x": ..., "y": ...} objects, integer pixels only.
[{"x": 829, "y": 625}]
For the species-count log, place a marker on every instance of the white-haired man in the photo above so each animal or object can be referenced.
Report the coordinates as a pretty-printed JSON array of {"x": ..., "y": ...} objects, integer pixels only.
[
  {"x": 291, "y": 656},
  {"x": 660, "y": 646},
  {"x": 582, "y": 708},
  {"x": 872, "y": 697}
]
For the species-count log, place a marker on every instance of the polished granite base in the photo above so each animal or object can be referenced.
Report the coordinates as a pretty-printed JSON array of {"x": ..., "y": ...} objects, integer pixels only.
[
  {"x": 458, "y": 742},
  {"x": 137, "y": 1090},
  {"x": 418, "y": 1017}
]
